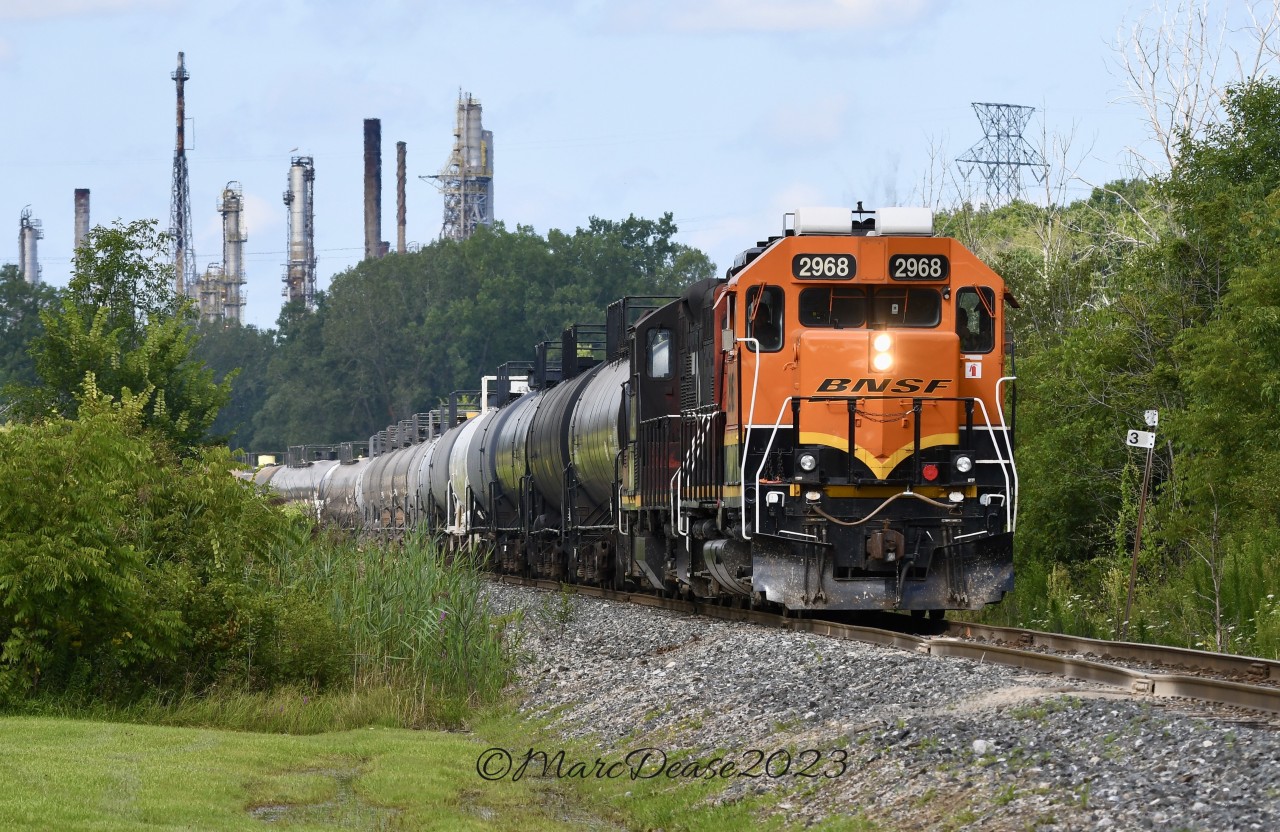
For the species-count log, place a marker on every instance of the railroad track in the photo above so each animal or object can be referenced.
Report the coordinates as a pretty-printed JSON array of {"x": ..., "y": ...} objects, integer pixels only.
[{"x": 1146, "y": 669}]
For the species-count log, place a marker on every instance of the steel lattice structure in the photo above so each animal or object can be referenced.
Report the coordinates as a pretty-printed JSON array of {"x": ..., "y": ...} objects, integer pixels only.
[
  {"x": 184, "y": 253},
  {"x": 1003, "y": 153},
  {"x": 467, "y": 177}
]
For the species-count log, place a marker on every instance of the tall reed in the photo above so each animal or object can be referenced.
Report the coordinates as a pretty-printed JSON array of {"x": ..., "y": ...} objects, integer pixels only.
[{"x": 412, "y": 619}]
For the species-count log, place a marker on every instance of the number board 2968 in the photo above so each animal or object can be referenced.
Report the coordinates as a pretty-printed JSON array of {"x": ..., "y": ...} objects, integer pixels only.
[
  {"x": 919, "y": 267},
  {"x": 823, "y": 266}
]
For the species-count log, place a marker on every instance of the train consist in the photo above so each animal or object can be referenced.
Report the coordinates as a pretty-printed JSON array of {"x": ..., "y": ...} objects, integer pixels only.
[{"x": 823, "y": 429}]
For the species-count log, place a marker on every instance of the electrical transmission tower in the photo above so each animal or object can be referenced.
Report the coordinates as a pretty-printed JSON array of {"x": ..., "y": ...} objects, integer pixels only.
[
  {"x": 184, "y": 253},
  {"x": 1003, "y": 152}
]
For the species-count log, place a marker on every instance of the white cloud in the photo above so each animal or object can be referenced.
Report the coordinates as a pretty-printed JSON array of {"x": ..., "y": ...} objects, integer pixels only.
[
  {"x": 48, "y": 9},
  {"x": 771, "y": 15}
]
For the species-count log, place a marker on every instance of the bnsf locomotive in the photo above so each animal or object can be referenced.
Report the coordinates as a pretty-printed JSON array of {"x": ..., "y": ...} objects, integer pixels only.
[{"x": 824, "y": 429}]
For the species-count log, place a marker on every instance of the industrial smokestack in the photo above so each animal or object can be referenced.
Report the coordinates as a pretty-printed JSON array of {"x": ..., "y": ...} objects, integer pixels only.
[
  {"x": 400, "y": 174},
  {"x": 82, "y": 215},
  {"x": 372, "y": 187}
]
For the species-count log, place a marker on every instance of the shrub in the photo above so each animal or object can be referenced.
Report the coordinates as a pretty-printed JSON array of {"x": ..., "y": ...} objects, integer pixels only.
[{"x": 123, "y": 566}]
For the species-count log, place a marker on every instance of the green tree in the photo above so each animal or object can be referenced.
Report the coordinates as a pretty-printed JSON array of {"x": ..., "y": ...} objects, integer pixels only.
[
  {"x": 394, "y": 336},
  {"x": 243, "y": 355},
  {"x": 1223, "y": 515},
  {"x": 20, "y": 306},
  {"x": 124, "y": 565},
  {"x": 120, "y": 320}
]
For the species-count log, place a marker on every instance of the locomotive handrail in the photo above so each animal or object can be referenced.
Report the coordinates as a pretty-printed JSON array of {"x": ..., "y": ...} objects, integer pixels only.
[
  {"x": 764, "y": 460},
  {"x": 1005, "y": 467},
  {"x": 751, "y": 417},
  {"x": 1008, "y": 438},
  {"x": 617, "y": 477}
]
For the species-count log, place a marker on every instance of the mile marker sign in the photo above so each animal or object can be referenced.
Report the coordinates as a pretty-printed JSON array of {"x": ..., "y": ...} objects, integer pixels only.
[{"x": 1140, "y": 439}]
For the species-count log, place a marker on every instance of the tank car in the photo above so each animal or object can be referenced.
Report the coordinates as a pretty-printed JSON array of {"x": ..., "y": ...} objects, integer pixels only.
[{"x": 822, "y": 429}]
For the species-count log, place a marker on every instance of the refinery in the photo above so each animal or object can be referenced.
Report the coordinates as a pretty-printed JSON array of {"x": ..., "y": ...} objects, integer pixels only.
[{"x": 217, "y": 290}]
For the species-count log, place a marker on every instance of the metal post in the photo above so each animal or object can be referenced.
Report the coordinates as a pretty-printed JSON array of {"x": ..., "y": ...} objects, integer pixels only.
[{"x": 1137, "y": 543}]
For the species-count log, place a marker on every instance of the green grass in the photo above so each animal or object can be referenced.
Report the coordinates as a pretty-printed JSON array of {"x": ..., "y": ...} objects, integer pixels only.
[
  {"x": 71, "y": 775},
  {"x": 65, "y": 774},
  {"x": 684, "y": 804}
]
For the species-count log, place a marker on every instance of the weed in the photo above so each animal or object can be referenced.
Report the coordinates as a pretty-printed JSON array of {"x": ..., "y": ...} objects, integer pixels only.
[{"x": 557, "y": 610}]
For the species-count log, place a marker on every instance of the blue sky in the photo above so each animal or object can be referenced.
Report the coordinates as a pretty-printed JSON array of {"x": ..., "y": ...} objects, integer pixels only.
[{"x": 726, "y": 113}]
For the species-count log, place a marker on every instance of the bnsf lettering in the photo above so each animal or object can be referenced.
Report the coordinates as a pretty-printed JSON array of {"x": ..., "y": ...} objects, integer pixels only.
[{"x": 871, "y": 385}]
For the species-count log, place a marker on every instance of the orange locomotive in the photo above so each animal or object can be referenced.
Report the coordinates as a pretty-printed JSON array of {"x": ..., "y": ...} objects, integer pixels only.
[{"x": 826, "y": 428}]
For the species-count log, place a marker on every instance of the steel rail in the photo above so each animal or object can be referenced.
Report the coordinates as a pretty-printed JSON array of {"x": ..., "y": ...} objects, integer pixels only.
[
  {"x": 1177, "y": 658},
  {"x": 1138, "y": 682}
]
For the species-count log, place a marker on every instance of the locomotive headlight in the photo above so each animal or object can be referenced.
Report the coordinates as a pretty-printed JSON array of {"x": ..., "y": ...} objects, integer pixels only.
[
  {"x": 882, "y": 344},
  {"x": 963, "y": 464},
  {"x": 807, "y": 462}
]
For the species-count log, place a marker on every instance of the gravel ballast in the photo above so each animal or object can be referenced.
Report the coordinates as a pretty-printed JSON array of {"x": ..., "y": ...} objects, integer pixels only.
[{"x": 908, "y": 740}]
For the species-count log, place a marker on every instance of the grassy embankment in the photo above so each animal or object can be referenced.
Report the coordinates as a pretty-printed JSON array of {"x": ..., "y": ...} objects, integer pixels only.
[{"x": 422, "y": 653}]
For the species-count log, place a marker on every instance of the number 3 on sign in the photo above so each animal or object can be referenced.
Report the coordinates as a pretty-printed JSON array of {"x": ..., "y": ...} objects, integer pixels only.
[{"x": 1141, "y": 439}]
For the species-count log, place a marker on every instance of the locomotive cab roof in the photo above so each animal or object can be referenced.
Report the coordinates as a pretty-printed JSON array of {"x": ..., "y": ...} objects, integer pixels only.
[{"x": 846, "y": 222}]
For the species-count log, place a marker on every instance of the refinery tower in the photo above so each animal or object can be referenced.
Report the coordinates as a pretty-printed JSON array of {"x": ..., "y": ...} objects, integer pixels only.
[
  {"x": 467, "y": 177},
  {"x": 300, "y": 271}
]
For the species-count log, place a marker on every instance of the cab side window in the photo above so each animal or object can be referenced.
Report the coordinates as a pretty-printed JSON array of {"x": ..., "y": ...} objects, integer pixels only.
[
  {"x": 764, "y": 316},
  {"x": 659, "y": 353},
  {"x": 975, "y": 319}
]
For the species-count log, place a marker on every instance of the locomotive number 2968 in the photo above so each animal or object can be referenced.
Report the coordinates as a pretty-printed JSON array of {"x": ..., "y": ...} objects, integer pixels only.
[
  {"x": 823, "y": 266},
  {"x": 918, "y": 266}
]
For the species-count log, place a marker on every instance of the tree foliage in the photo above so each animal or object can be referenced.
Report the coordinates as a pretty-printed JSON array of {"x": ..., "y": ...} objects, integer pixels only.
[
  {"x": 396, "y": 335},
  {"x": 20, "y": 306},
  {"x": 124, "y": 566},
  {"x": 1163, "y": 295},
  {"x": 120, "y": 321}
]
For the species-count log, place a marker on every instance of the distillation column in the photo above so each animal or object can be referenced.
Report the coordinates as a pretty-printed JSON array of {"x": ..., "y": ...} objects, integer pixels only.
[
  {"x": 300, "y": 271},
  {"x": 29, "y": 230},
  {"x": 231, "y": 206}
]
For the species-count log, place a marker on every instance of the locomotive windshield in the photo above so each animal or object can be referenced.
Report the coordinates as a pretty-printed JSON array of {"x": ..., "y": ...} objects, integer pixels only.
[
  {"x": 837, "y": 307},
  {"x": 845, "y": 306}
]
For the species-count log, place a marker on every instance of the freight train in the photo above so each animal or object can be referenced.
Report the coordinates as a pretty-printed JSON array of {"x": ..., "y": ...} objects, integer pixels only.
[{"x": 824, "y": 428}]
